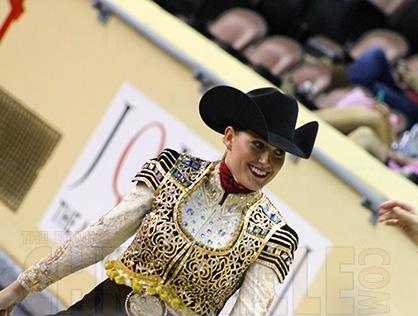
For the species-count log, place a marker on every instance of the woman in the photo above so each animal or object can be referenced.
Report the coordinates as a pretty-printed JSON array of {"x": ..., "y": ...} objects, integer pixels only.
[{"x": 203, "y": 229}]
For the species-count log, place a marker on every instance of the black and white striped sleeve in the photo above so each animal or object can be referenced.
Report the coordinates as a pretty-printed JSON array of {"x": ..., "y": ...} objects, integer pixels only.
[
  {"x": 278, "y": 252},
  {"x": 154, "y": 170}
]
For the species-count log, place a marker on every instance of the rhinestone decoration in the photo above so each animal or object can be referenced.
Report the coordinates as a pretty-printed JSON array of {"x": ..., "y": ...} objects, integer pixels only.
[
  {"x": 266, "y": 210},
  {"x": 195, "y": 163},
  {"x": 154, "y": 169},
  {"x": 181, "y": 178},
  {"x": 213, "y": 226}
]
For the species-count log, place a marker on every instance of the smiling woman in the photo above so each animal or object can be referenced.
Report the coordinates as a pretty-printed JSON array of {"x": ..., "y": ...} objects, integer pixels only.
[
  {"x": 254, "y": 162},
  {"x": 203, "y": 229}
]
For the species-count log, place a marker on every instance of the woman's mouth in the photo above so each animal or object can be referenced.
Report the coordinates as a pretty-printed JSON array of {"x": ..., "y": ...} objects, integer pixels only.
[{"x": 258, "y": 172}]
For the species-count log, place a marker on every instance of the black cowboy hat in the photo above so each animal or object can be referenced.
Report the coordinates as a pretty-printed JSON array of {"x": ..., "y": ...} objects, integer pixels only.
[{"x": 266, "y": 111}]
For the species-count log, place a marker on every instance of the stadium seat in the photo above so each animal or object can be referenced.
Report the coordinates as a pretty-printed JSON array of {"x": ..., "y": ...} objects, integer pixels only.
[
  {"x": 310, "y": 79},
  {"x": 237, "y": 28},
  {"x": 393, "y": 44},
  {"x": 275, "y": 54},
  {"x": 331, "y": 98}
]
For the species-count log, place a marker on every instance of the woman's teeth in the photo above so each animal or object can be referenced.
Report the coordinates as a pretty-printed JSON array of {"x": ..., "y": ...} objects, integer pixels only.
[{"x": 258, "y": 172}]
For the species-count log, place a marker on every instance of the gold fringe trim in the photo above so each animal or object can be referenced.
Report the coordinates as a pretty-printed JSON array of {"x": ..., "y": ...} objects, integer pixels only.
[{"x": 153, "y": 285}]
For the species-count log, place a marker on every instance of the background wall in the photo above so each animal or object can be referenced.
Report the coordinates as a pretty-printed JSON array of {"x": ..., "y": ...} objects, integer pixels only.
[{"x": 66, "y": 66}]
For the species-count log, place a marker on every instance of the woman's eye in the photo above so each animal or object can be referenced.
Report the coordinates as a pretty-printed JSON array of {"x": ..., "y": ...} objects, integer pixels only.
[{"x": 279, "y": 152}]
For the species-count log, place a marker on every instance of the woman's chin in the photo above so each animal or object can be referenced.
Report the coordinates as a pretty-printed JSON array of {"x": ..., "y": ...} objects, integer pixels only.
[{"x": 255, "y": 185}]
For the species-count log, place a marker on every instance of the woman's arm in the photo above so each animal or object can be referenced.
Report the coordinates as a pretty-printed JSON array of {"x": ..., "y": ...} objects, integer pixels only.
[
  {"x": 83, "y": 249},
  {"x": 257, "y": 291},
  {"x": 92, "y": 244}
]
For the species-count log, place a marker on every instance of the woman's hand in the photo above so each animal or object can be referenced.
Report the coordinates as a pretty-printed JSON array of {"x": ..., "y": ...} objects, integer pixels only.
[
  {"x": 10, "y": 296},
  {"x": 402, "y": 215}
]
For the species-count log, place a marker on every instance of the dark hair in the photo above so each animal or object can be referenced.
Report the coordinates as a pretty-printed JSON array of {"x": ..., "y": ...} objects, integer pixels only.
[{"x": 239, "y": 128}]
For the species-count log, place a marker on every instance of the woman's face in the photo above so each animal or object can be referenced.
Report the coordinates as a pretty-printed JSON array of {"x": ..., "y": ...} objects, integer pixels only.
[{"x": 252, "y": 161}]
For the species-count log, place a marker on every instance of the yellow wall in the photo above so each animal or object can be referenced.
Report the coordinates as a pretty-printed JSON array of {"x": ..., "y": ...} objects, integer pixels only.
[{"x": 66, "y": 66}]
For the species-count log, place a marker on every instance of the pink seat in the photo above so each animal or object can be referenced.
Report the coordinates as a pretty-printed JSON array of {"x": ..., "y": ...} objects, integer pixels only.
[
  {"x": 392, "y": 43},
  {"x": 331, "y": 98},
  {"x": 238, "y": 27},
  {"x": 311, "y": 78},
  {"x": 275, "y": 53},
  {"x": 321, "y": 46}
]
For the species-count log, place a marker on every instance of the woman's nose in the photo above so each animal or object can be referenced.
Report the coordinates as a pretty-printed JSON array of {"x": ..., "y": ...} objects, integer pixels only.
[{"x": 264, "y": 157}]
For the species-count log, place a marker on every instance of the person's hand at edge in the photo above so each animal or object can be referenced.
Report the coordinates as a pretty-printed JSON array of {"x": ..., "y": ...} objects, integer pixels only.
[{"x": 402, "y": 215}]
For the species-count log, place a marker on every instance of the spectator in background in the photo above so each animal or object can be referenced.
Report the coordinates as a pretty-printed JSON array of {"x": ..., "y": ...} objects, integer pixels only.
[
  {"x": 402, "y": 215},
  {"x": 373, "y": 71},
  {"x": 377, "y": 129},
  {"x": 376, "y": 115}
]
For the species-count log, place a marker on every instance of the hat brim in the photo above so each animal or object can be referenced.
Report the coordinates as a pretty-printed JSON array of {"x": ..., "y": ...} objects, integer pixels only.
[
  {"x": 225, "y": 106},
  {"x": 303, "y": 141}
]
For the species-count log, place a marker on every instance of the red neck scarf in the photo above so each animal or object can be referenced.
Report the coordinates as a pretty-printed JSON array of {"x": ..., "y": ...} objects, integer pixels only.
[{"x": 228, "y": 181}]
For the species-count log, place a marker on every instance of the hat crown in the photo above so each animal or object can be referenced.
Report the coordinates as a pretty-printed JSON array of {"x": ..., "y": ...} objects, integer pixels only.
[{"x": 280, "y": 110}]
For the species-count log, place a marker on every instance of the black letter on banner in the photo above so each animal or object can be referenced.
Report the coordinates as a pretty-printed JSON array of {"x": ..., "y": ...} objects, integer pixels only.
[{"x": 112, "y": 134}]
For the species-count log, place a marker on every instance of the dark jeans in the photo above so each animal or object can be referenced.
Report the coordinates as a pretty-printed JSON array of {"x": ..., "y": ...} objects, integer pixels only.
[
  {"x": 373, "y": 71},
  {"x": 108, "y": 298}
]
